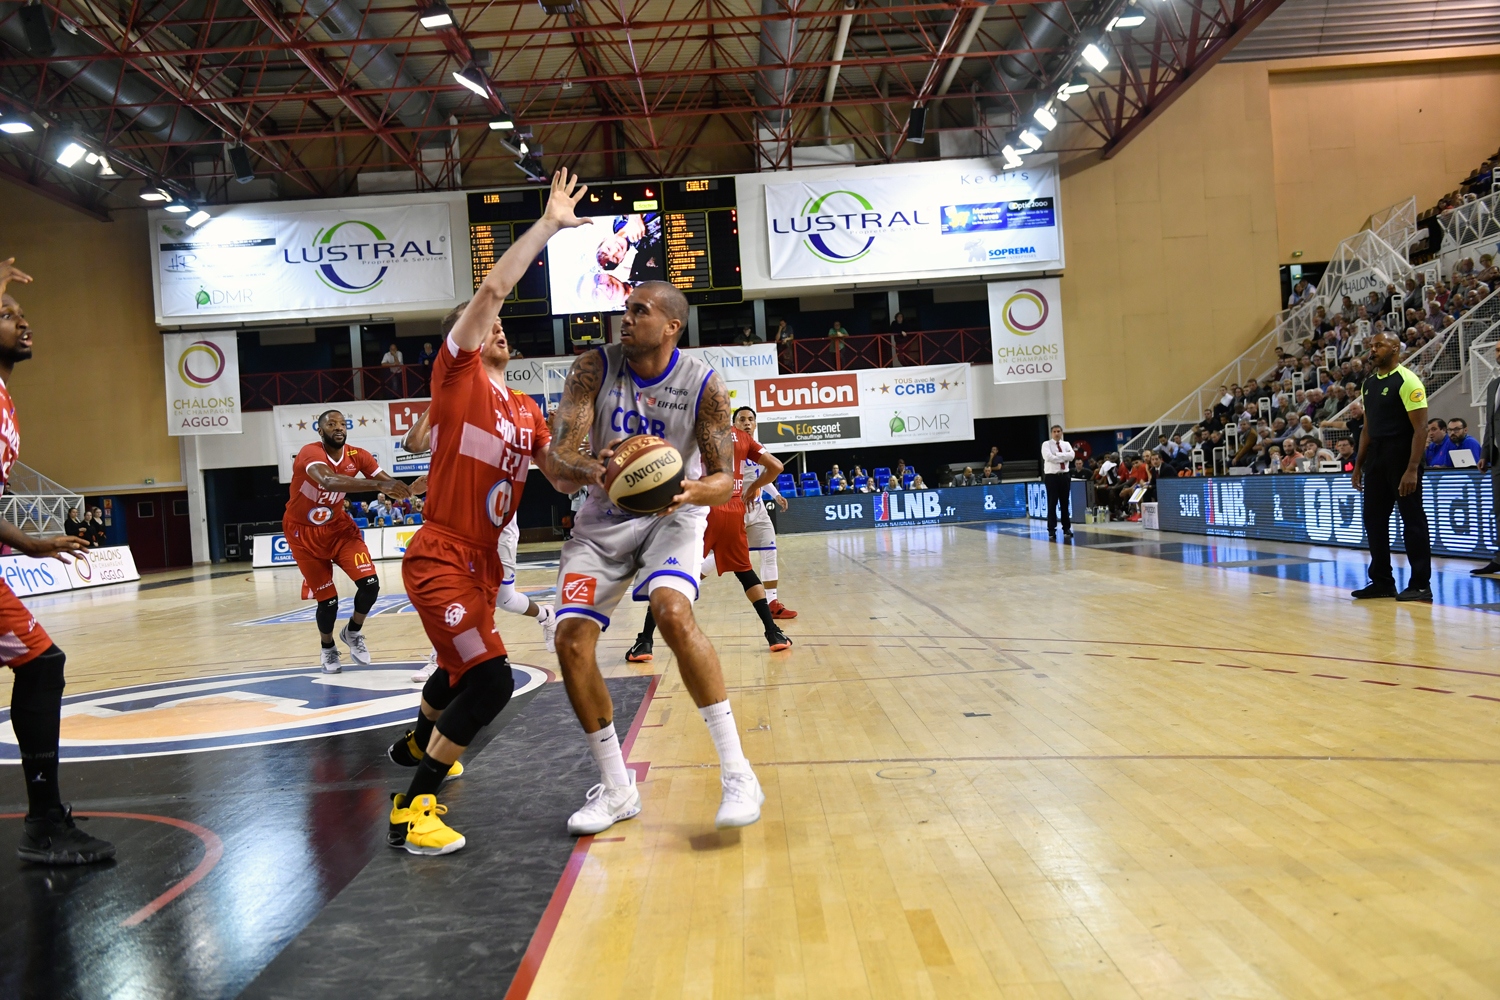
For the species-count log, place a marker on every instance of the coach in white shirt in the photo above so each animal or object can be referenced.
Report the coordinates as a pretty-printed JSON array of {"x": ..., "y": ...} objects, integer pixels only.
[{"x": 1057, "y": 460}]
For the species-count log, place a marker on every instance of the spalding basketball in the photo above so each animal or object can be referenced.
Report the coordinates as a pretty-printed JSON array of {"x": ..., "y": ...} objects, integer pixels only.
[{"x": 644, "y": 474}]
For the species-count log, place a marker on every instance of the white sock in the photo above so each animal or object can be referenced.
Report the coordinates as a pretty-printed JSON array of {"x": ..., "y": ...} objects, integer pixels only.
[
  {"x": 605, "y": 746},
  {"x": 544, "y": 613},
  {"x": 708, "y": 566},
  {"x": 768, "y": 565},
  {"x": 770, "y": 594},
  {"x": 720, "y": 719}
]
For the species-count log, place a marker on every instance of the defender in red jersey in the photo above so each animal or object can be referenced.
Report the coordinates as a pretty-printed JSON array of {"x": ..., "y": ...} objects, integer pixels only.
[
  {"x": 726, "y": 547},
  {"x": 49, "y": 835},
  {"x": 320, "y": 533},
  {"x": 484, "y": 438}
]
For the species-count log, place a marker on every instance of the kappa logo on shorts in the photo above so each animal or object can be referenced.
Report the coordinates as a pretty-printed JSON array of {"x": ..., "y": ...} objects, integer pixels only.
[
  {"x": 319, "y": 515},
  {"x": 578, "y": 589},
  {"x": 237, "y": 710},
  {"x": 454, "y": 613},
  {"x": 672, "y": 561}
]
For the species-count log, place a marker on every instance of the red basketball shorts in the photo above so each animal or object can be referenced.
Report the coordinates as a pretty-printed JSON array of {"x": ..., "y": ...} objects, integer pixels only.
[
  {"x": 725, "y": 538},
  {"x": 21, "y": 638},
  {"x": 317, "y": 549},
  {"x": 453, "y": 587}
]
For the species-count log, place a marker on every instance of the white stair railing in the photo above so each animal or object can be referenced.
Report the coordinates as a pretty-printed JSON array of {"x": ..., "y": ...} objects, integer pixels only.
[
  {"x": 1396, "y": 225},
  {"x": 1476, "y": 222},
  {"x": 34, "y": 503}
]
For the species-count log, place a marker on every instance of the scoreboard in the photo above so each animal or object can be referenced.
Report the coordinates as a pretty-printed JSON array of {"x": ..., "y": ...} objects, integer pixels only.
[{"x": 699, "y": 225}]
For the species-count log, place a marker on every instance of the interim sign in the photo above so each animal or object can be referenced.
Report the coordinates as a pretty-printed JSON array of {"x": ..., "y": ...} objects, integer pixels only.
[
  {"x": 874, "y": 407},
  {"x": 1026, "y": 331},
  {"x": 203, "y": 383}
]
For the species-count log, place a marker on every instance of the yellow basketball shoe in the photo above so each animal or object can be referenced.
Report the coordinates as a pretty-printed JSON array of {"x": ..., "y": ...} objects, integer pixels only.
[
  {"x": 406, "y": 753},
  {"x": 426, "y": 833}
]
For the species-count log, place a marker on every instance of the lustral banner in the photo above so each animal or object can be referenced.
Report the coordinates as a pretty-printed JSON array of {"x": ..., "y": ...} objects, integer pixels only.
[
  {"x": 879, "y": 406},
  {"x": 1326, "y": 509},
  {"x": 203, "y": 383},
  {"x": 854, "y": 224},
  {"x": 278, "y": 260},
  {"x": 1026, "y": 331}
]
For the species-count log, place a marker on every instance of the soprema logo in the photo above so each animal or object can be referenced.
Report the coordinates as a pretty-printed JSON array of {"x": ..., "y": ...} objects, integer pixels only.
[
  {"x": 199, "y": 350},
  {"x": 1031, "y": 314}
]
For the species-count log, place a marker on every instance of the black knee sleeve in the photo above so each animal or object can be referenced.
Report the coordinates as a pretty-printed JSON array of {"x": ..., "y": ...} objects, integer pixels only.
[
  {"x": 328, "y": 615},
  {"x": 365, "y": 592},
  {"x": 36, "y": 700},
  {"x": 747, "y": 578},
  {"x": 482, "y": 692},
  {"x": 437, "y": 692}
]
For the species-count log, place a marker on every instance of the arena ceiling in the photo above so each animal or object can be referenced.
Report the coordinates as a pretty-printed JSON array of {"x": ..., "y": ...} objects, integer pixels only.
[{"x": 306, "y": 95}]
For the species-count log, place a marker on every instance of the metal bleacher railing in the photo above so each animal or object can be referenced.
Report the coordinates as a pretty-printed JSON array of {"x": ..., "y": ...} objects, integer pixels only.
[
  {"x": 34, "y": 503},
  {"x": 1471, "y": 225},
  {"x": 962, "y": 345},
  {"x": 1372, "y": 258}
]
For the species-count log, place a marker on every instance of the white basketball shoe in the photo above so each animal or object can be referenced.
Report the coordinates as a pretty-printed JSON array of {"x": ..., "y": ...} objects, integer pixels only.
[
  {"x": 356, "y": 643},
  {"x": 420, "y": 676},
  {"x": 546, "y": 617},
  {"x": 605, "y": 807},
  {"x": 742, "y": 799},
  {"x": 331, "y": 664}
]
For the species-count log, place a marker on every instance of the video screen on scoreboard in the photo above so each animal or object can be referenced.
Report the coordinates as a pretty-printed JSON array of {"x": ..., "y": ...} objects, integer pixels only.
[{"x": 593, "y": 268}]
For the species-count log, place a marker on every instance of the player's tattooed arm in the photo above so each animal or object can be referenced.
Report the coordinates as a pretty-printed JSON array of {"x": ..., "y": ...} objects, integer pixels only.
[
  {"x": 565, "y": 463},
  {"x": 715, "y": 447}
]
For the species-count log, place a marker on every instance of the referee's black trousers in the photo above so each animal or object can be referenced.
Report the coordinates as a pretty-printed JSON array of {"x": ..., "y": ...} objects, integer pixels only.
[
  {"x": 1059, "y": 497},
  {"x": 1383, "y": 469}
]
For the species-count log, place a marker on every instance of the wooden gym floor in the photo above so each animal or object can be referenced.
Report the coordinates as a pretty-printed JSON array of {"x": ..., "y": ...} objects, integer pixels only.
[{"x": 1140, "y": 766}]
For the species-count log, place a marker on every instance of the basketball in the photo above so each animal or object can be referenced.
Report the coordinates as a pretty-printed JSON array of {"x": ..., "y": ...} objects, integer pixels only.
[{"x": 644, "y": 474}]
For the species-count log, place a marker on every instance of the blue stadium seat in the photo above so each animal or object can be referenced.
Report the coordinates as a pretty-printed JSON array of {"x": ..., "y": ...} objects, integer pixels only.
[
  {"x": 386, "y": 521},
  {"x": 363, "y": 522},
  {"x": 882, "y": 476},
  {"x": 414, "y": 519},
  {"x": 811, "y": 489},
  {"x": 907, "y": 479},
  {"x": 859, "y": 483},
  {"x": 786, "y": 484}
]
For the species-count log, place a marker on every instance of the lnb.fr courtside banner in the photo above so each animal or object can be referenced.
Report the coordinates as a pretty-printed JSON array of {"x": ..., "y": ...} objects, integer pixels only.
[
  {"x": 914, "y": 508},
  {"x": 1326, "y": 509},
  {"x": 874, "y": 407}
]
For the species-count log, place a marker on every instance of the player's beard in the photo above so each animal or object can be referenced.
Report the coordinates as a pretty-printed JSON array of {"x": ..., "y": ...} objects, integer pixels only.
[
  {"x": 14, "y": 353},
  {"x": 329, "y": 444}
]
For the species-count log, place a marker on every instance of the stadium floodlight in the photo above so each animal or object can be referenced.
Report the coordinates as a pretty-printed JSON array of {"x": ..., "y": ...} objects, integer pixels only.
[
  {"x": 1095, "y": 57},
  {"x": 1012, "y": 158},
  {"x": 1076, "y": 85},
  {"x": 472, "y": 79},
  {"x": 178, "y": 207},
  {"x": 197, "y": 219},
  {"x": 105, "y": 170},
  {"x": 1044, "y": 117},
  {"x": 503, "y": 122},
  {"x": 154, "y": 194},
  {"x": 436, "y": 16},
  {"x": 1126, "y": 21},
  {"x": 70, "y": 154},
  {"x": 1032, "y": 142},
  {"x": 523, "y": 148},
  {"x": 16, "y": 127}
]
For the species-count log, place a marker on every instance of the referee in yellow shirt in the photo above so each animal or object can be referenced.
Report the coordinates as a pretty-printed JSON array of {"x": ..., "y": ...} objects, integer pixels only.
[{"x": 1389, "y": 470}]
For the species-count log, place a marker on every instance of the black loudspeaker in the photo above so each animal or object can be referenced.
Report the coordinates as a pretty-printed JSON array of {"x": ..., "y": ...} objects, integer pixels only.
[
  {"x": 916, "y": 125},
  {"x": 239, "y": 159},
  {"x": 38, "y": 34}
]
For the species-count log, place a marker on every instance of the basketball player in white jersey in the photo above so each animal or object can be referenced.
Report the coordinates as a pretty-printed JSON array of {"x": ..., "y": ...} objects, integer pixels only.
[
  {"x": 419, "y": 440},
  {"x": 758, "y": 527},
  {"x": 644, "y": 385}
]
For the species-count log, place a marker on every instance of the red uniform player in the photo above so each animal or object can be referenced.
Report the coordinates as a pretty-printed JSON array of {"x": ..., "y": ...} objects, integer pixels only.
[
  {"x": 483, "y": 438},
  {"x": 320, "y": 533},
  {"x": 726, "y": 547},
  {"x": 49, "y": 835}
]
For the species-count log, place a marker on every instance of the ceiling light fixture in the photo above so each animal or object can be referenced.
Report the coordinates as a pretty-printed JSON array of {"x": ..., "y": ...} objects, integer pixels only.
[
  {"x": 105, "y": 170},
  {"x": 178, "y": 207},
  {"x": 1012, "y": 158},
  {"x": 473, "y": 80},
  {"x": 197, "y": 219},
  {"x": 1030, "y": 139},
  {"x": 502, "y": 123},
  {"x": 1045, "y": 118},
  {"x": 1127, "y": 21},
  {"x": 1076, "y": 85},
  {"x": 70, "y": 154},
  {"x": 16, "y": 127},
  {"x": 1095, "y": 57},
  {"x": 154, "y": 194},
  {"x": 436, "y": 16}
]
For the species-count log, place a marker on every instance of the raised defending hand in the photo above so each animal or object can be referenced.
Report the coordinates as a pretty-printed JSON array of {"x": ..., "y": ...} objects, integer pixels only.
[
  {"x": 55, "y": 547},
  {"x": 418, "y": 486},
  {"x": 9, "y": 272},
  {"x": 563, "y": 198}
]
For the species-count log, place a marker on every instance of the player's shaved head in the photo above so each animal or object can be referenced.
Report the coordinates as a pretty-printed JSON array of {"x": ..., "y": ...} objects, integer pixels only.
[
  {"x": 668, "y": 298},
  {"x": 323, "y": 417}
]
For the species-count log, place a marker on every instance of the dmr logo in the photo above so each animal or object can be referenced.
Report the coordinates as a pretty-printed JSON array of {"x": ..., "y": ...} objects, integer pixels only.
[{"x": 237, "y": 710}]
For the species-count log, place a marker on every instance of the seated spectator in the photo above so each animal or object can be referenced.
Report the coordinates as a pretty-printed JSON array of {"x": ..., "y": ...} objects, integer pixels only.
[
  {"x": 1246, "y": 454},
  {"x": 1438, "y": 444},
  {"x": 966, "y": 478},
  {"x": 1305, "y": 429},
  {"x": 836, "y": 482},
  {"x": 1268, "y": 462},
  {"x": 379, "y": 507},
  {"x": 1163, "y": 446},
  {"x": 1289, "y": 457},
  {"x": 992, "y": 465},
  {"x": 900, "y": 471},
  {"x": 428, "y": 355},
  {"x": 1080, "y": 469},
  {"x": 747, "y": 337},
  {"x": 917, "y": 484},
  {"x": 1343, "y": 452},
  {"x": 1459, "y": 439}
]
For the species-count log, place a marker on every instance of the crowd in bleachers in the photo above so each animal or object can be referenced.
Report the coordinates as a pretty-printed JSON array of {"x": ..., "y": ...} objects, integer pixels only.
[{"x": 383, "y": 512}]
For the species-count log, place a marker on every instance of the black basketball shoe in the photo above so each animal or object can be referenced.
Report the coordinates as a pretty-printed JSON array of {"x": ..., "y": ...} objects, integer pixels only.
[
  {"x": 53, "y": 839},
  {"x": 641, "y": 651}
]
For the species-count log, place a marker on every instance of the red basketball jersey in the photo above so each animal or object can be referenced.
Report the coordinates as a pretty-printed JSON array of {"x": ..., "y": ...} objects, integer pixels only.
[
  {"x": 483, "y": 439},
  {"x": 10, "y": 435},
  {"x": 309, "y": 503},
  {"x": 746, "y": 448}
]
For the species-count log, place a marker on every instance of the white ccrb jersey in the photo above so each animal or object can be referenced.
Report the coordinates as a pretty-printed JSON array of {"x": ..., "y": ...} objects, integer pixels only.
[{"x": 666, "y": 406}]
